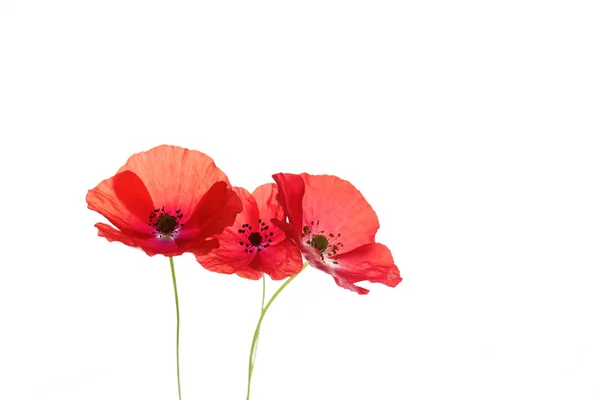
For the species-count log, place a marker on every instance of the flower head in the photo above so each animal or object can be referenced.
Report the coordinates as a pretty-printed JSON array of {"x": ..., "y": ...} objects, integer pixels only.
[
  {"x": 167, "y": 200},
  {"x": 334, "y": 226},
  {"x": 252, "y": 245}
]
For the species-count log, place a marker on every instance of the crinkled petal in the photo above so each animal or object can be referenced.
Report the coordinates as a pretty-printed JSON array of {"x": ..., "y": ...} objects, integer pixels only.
[
  {"x": 293, "y": 234},
  {"x": 175, "y": 176},
  {"x": 231, "y": 256},
  {"x": 313, "y": 257},
  {"x": 268, "y": 209},
  {"x": 217, "y": 210},
  {"x": 338, "y": 207},
  {"x": 372, "y": 262},
  {"x": 113, "y": 235},
  {"x": 153, "y": 245},
  {"x": 279, "y": 261},
  {"x": 289, "y": 195},
  {"x": 125, "y": 202},
  {"x": 250, "y": 210}
]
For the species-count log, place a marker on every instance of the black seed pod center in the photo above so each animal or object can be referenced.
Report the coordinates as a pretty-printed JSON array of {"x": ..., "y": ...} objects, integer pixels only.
[
  {"x": 327, "y": 244},
  {"x": 166, "y": 224},
  {"x": 255, "y": 240},
  {"x": 319, "y": 242}
]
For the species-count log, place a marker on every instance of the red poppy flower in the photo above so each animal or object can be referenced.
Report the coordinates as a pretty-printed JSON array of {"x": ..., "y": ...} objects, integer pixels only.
[
  {"x": 335, "y": 227},
  {"x": 167, "y": 200},
  {"x": 252, "y": 245}
]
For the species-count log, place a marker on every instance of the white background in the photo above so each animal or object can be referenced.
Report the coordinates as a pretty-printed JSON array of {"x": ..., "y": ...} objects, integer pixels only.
[{"x": 470, "y": 126}]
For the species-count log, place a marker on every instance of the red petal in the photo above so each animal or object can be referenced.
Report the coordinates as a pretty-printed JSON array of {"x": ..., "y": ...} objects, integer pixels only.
[
  {"x": 249, "y": 273},
  {"x": 339, "y": 208},
  {"x": 196, "y": 246},
  {"x": 125, "y": 202},
  {"x": 113, "y": 235},
  {"x": 175, "y": 177},
  {"x": 279, "y": 261},
  {"x": 292, "y": 234},
  {"x": 216, "y": 211},
  {"x": 372, "y": 262},
  {"x": 313, "y": 257},
  {"x": 247, "y": 212},
  {"x": 268, "y": 209},
  {"x": 290, "y": 194},
  {"x": 153, "y": 246},
  {"x": 250, "y": 213},
  {"x": 231, "y": 257}
]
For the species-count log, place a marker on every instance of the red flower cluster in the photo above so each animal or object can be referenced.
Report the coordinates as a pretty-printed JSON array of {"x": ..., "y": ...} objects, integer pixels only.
[{"x": 170, "y": 200}]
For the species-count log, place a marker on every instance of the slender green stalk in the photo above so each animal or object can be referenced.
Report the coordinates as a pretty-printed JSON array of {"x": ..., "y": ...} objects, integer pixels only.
[
  {"x": 177, "y": 309},
  {"x": 263, "y": 296},
  {"x": 257, "y": 330},
  {"x": 262, "y": 307}
]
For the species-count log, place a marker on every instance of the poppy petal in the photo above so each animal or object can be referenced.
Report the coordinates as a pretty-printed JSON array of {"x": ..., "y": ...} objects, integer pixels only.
[
  {"x": 350, "y": 286},
  {"x": 249, "y": 273},
  {"x": 229, "y": 258},
  {"x": 196, "y": 245},
  {"x": 313, "y": 257},
  {"x": 250, "y": 211},
  {"x": 216, "y": 210},
  {"x": 372, "y": 262},
  {"x": 154, "y": 245},
  {"x": 338, "y": 208},
  {"x": 113, "y": 235},
  {"x": 175, "y": 176},
  {"x": 279, "y": 261},
  {"x": 290, "y": 194},
  {"x": 268, "y": 209},
  {"x": 124, "y": 200},
  {"x": 292, "y": 234},
  {"x": 151, "y": 246}
]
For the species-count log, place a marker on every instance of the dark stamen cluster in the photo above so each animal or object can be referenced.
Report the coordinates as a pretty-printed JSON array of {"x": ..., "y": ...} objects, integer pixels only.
[
  {"x": 321, "y": 241},
  {"x": 258, "y": 240},
  {"x": 165, "y": 224}
]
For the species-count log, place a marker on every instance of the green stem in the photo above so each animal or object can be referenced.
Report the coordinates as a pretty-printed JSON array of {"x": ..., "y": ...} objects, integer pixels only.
[
  {"x": 263, "y": 296},
  {"x": 262, "y": 307},
  {"x": 257, "y": 330},
  {"x": 177, "y": 309}
]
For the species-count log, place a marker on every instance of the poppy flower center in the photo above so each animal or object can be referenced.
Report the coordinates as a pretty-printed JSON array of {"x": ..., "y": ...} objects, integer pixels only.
[
  {"x": 322, "y": 241},
  {"x": 165, "y": 224},
  {"x": 319, "y": 242},
  {"x": 255, "y": 239}
]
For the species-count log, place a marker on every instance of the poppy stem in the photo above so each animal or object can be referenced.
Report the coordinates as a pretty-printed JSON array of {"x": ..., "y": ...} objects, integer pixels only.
[
  {"x": 177, "y": 309},
  {"x": 257, "y": 330},
  {"x": 262, "y": 307}
]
